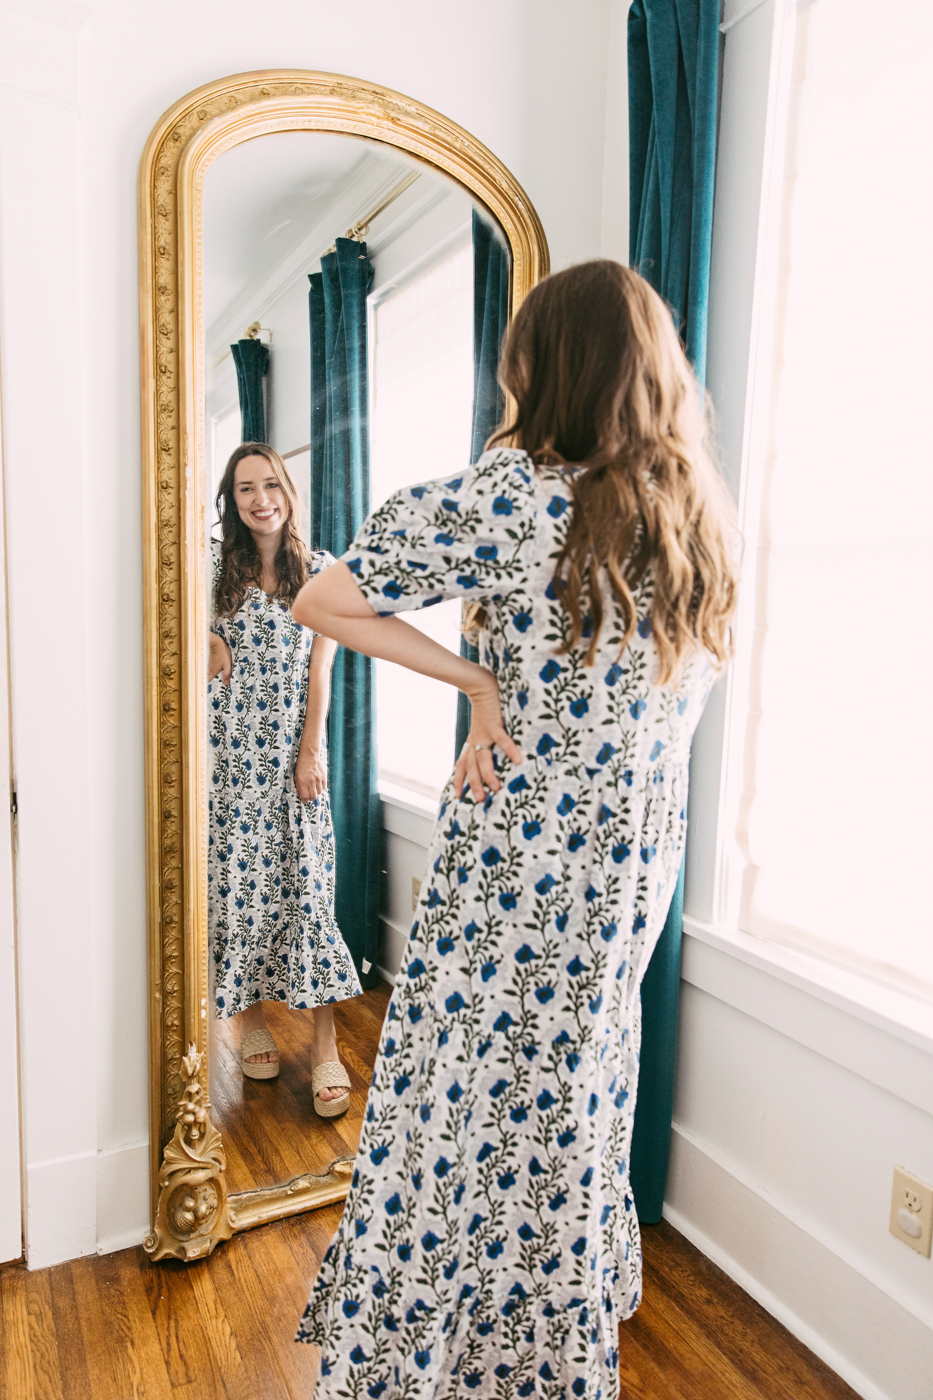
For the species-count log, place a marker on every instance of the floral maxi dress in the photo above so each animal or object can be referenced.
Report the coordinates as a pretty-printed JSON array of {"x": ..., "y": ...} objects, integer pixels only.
[
  {"x": 270, "y": 857},
  {"x": 489, "y": 1245}
]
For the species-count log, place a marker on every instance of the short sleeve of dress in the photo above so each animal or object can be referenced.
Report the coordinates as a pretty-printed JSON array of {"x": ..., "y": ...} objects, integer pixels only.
[
  {"x": 321, "y": 559},
  {"x": 468, "y": 536}
]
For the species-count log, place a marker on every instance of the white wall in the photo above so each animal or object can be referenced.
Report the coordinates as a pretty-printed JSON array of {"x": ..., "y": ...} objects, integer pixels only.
[{"x": 82, "y": 86}]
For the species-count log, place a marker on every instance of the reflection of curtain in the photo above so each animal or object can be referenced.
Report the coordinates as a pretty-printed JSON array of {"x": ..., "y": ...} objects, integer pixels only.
[
  {"x": 490, "y": 318},
  {"x": 673, "y": 56},
  {"x": 339, "y": 505},
  {"x": 251, "y": 358}
]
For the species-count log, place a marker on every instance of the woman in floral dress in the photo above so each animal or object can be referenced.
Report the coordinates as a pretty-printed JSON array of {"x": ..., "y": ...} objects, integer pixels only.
[
  {"x": 489, "y": 1245},
  {"x": 271, "y": 840}
]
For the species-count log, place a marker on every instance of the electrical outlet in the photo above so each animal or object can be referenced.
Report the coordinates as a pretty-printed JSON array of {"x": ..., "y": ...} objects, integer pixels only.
[
  {"x": 415, "y": 892},
  {"x": 912, "y": 1211}
]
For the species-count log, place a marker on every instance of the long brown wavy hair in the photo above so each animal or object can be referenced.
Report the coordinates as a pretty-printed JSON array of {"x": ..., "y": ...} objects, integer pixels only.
[
  {"x": 240, "y": 565},
  {"x": 600, "y": 385}
]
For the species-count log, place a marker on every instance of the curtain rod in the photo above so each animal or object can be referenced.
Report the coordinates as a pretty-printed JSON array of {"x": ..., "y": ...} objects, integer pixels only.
[
  {"x": 362, "y": 225},
  {"x": 355, "y": 231}
]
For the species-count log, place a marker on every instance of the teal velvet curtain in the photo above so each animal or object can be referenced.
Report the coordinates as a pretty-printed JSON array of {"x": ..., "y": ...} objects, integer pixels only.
[
  {"x": 673, "y": 62},
  {"x": 490, "y": 318},
  {"x": 339, "y": 505},
  {"x": 251, "y": 358}
]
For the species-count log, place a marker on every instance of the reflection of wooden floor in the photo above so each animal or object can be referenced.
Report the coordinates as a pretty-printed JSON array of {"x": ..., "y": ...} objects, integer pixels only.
[{"x": 269, "y": 1126}]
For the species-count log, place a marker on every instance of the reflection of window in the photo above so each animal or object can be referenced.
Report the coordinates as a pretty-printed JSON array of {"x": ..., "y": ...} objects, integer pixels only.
[
  {"x": 421, "y": 404},
  {"x": 298, "y": 466}
]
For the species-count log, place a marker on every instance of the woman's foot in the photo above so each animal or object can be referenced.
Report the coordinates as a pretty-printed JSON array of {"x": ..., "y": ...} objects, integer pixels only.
[
  {"x": 254, "y": 1019},
  {"x": 324, "y": 1052}
]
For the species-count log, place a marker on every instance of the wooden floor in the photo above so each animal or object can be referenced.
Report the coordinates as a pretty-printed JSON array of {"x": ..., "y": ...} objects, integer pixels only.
[
  {"x": 270, "y": 1129},
  {"x": 120, "y": 1328}
]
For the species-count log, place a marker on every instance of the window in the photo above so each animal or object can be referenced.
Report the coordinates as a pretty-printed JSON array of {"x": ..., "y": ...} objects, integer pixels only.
[
  {"x": 421, "y": 406},
  {"x": 839, "y": 752}
]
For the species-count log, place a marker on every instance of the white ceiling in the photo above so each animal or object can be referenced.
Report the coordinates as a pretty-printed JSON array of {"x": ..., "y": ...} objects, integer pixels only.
[{"x": 263, "y": 197}]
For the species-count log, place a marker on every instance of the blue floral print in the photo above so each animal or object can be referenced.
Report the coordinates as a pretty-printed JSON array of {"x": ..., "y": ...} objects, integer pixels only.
[
  {"x": 489, "y": 1244},
  {"x": 270, "y": 856}
]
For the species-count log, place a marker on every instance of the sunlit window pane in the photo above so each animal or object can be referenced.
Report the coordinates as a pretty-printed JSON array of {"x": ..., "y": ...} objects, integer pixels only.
[
  {"x": 420, "y": 414},
  {"x": 841, "y": 825}
]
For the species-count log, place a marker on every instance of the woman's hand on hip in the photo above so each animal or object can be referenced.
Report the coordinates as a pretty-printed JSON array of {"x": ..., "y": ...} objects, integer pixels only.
[
  {"x": 474, "y": 768},
  {"x": 310, "y": 774},
  {"x": 219, "y": 659}
]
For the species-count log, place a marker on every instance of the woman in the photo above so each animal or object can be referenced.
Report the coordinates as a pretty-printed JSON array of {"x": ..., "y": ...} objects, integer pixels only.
[
  {"x": 271, "y": 841},
  {"x": 489, "y": 1243}
]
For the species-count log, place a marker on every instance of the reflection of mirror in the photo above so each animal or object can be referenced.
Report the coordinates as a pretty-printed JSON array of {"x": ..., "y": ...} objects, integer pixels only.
[
  {"x": 349, "y": 301},
  {"x": 351, "y": 386}
]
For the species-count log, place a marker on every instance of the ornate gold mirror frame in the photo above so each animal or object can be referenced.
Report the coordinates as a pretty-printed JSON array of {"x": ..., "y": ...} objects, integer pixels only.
[{"x": 191, "y": 1209}]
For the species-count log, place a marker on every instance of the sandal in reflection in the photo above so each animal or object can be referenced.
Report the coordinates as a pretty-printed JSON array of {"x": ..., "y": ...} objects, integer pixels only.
[
  {"x": 261, "y": 1042},
  {"x": 330, "y": 1074}
]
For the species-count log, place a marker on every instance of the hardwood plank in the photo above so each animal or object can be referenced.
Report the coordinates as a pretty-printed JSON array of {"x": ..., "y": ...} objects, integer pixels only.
[
  {"x": 217, "y": 1326},
  {"x": 286, "y": 1293},
  {"x": 711, "y": 1305},
  {"x": 686, "y": 1372},
  {"x": 641, "y": 1375},
  {"x": 258, "y": 1336},
  {"x": 47, "y": 1381},
  {"x": 186, "y": 1347},
  {"x": 17, "y": 1378},
  {"x": 308, "y": 1242},
  {"x": 652, "y": 1355},
  {"x": 76, "y": 1384},
  {"x": 120, "y": 1340}
]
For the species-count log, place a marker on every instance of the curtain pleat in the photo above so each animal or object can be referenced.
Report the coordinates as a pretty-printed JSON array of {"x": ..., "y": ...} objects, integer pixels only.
[
  {"x": 490, "y": 319},
  {"x": 251, "y": 358},
  {"x": 673, "y": 64},
  {"x": 339, "y": 505}
]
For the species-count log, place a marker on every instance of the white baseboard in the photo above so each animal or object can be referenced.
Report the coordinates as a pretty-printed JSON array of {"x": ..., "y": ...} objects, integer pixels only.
[
  {"x": 122, "y": 1197},
  {"x": 393, "y": 939},
  {"x": 880, "y": 1348},
  {"x": 90, "y": 1203},
  {"x": 61, "y": 1209}
]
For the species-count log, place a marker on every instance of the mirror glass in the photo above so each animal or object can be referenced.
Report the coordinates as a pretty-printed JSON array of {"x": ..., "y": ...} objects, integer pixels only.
[{"x": 348, "y": 292}]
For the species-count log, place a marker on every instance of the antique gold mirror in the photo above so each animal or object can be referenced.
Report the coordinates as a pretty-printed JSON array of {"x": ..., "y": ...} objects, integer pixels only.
[{"x": 257, "y": 195}]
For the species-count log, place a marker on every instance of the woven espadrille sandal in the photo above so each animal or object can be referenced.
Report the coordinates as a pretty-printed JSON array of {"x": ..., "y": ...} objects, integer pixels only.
[
  {"x": 261, "y": 1042},
  {"x": 330, "y": 1074}
]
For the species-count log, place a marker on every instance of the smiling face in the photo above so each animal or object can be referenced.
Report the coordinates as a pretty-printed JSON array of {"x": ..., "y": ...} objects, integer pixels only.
[{"x": 259, "y": 496}]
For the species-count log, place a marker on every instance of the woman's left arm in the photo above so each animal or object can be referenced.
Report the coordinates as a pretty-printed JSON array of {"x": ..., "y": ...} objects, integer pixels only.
[
  {"x": 310, "y": 767},
  {"x": 333, "y": 603}
]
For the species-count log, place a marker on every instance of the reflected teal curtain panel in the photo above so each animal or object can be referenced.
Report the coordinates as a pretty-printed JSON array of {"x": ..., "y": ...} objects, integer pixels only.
[
  {"x": 490, "y": 319},
  {"x": 251, "y": 358},
  {"x": 673, "y": 63},
  {"x": 339, "y": 505}
]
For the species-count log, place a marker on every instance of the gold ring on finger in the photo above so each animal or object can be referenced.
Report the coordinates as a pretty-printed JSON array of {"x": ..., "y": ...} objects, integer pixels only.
[{"x": 477, "y": 747}]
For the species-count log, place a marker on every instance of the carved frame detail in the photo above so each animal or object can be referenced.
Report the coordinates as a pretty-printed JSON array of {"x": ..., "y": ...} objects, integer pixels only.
[{"x": 180, "y": 148}]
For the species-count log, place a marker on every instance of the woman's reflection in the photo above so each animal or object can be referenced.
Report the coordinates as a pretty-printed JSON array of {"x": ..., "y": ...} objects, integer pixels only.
[{"x": 271, "y": 840}]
